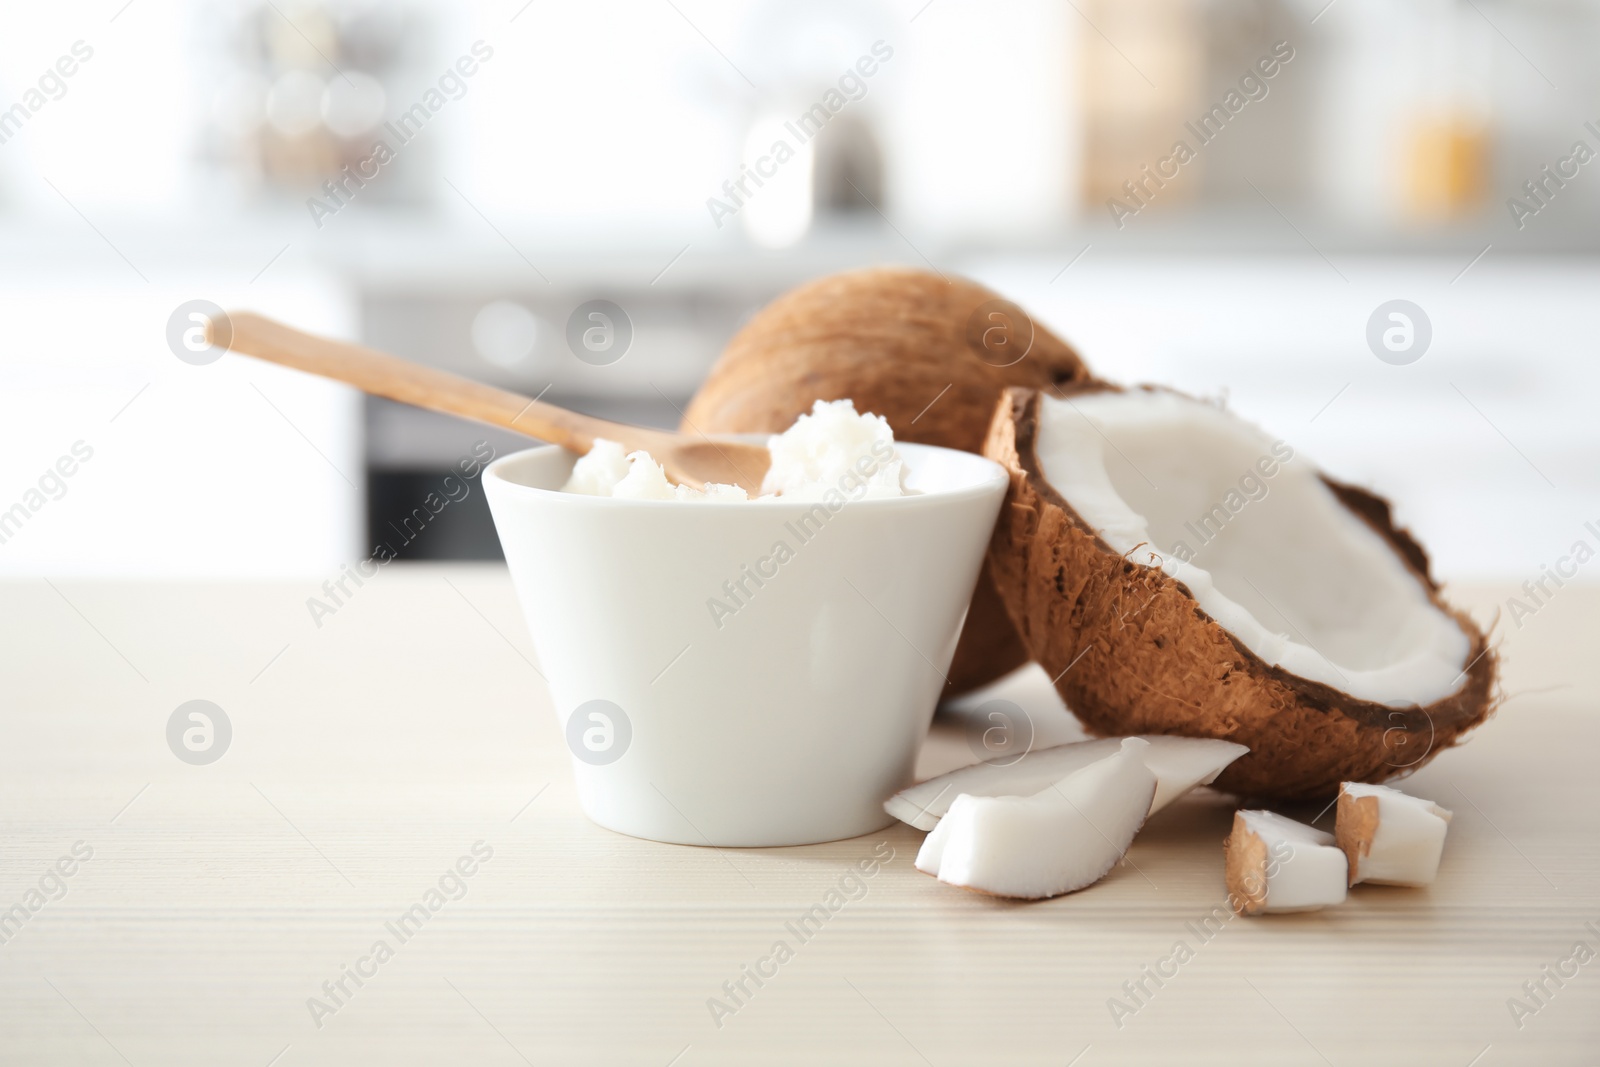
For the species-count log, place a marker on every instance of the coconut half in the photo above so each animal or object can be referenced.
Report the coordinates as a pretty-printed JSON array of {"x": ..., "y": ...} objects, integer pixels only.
[
  {"x": 1062, "y": 839},
  {"x": 1179, "y": 571},
  {"x": 1179, "y": 764}
]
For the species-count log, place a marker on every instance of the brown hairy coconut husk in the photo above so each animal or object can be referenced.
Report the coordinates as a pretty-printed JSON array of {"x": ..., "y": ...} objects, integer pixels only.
[
  {"x": 930, "y": 354},
  {"x": 1133, "y": 653}
]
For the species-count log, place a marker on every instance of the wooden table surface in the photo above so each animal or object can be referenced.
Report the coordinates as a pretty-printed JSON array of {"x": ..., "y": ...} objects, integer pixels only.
[{"x": 371, "y": 754}]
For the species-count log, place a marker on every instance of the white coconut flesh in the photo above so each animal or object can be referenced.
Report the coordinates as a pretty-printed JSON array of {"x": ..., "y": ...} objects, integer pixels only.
[
  {"x": 1303, "y": 870},
  {"x": 1062, "y": 839},
  {"x": 1402, "y": 846},
  {"x": 1275, "y": 558},
  {"x": 1178, "y": 763}
]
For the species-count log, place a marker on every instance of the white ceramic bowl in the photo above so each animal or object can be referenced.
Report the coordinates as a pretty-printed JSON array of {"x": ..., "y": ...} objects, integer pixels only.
[{"x": 787, "y": 715}]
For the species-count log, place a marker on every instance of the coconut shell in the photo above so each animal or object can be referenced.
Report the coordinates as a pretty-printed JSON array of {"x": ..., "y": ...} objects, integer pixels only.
[
  {"x": 1245, "y": 868},
  {"x": 915, "y": 347},
  {"x": 1133, "y": 653},
  {"x": 1355, "y": 825}
]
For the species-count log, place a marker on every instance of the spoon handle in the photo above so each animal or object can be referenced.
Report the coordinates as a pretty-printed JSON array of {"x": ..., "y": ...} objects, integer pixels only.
[{"x": 410, "y": 383}]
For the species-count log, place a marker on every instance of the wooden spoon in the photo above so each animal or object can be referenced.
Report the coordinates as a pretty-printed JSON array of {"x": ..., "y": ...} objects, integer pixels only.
[{"x": 691, "y": 461}]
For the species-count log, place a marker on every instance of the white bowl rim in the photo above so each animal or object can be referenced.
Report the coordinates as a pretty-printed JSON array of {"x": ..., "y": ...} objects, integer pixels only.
[{"x": 996, "y": 479}]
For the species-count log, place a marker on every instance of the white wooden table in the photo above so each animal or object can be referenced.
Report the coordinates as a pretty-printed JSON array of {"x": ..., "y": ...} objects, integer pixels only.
[{"x": 371, "y": 754}]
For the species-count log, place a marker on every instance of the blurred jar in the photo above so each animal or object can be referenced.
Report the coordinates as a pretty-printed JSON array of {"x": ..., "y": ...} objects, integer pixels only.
[
  {"x": 1138, "y": 91},
  {"x": 1445, "y": 128},
  {"x": 1405, "y": 110}
]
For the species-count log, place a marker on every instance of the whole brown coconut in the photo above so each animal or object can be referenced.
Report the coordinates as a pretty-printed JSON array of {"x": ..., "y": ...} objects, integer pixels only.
[
  {"x": 1133, "y": 653},
  {"x": 930, "y": 354}
]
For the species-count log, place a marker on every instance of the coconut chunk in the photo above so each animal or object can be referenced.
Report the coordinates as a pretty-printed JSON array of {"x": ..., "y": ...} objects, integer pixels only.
[
  {"x": 1179, "y": 764},
  {"x": 1275, "y": 864},
  {"x": 1389, "y": 837},
  {"x": 1061, "y": 839}
]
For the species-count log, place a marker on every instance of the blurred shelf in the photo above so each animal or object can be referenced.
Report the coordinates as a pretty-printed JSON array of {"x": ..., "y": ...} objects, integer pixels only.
[{"x": 400, "y": 251}]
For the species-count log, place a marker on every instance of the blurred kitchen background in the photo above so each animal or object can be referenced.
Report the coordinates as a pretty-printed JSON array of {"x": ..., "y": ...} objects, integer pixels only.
[{"x": 540, "y": 156}]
